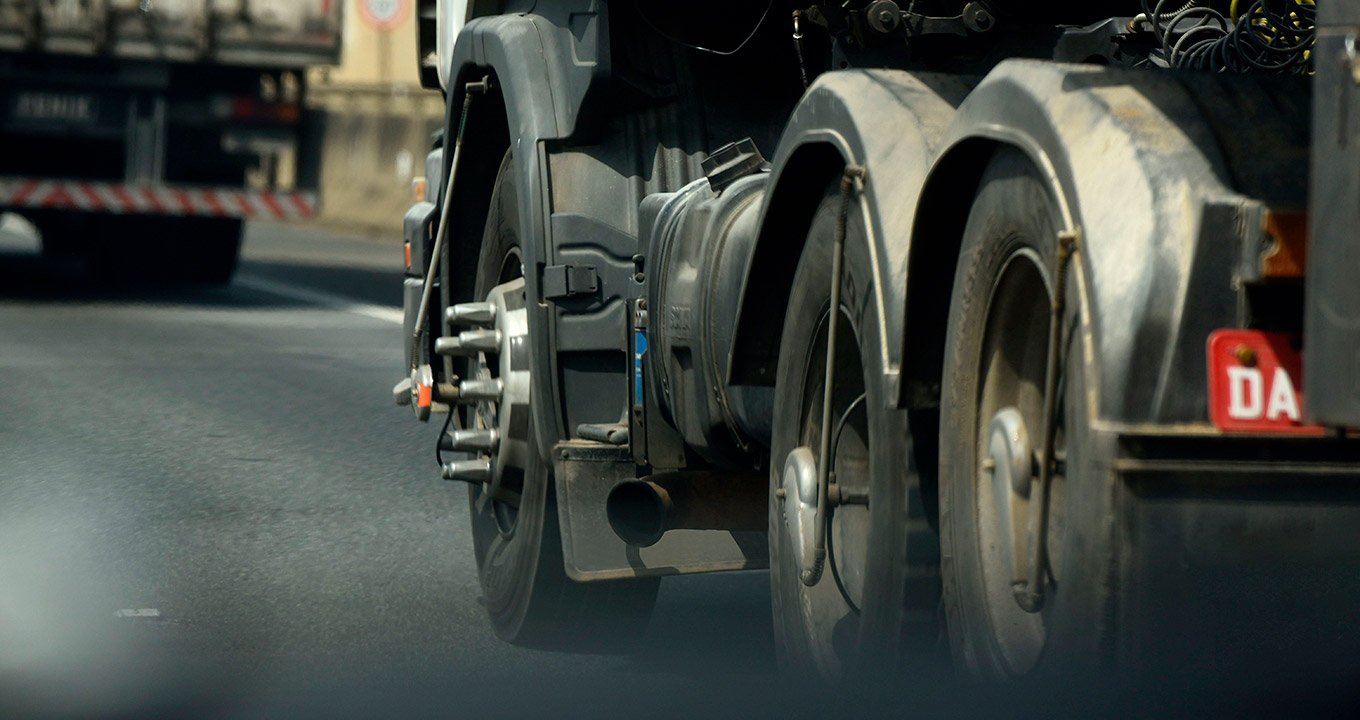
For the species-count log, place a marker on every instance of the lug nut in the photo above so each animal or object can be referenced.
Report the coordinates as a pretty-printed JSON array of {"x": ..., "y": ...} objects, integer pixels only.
[
  {"x": 471, "y": 391},
  {"x": 480, "y": 340},
  {"x": 475, "y": 440},
  {"x": 474, "y": 313},
  {"x": 468, "y": 343},
  {"x": 450, "y": 346},
  {"x": 475, "y": 471}
]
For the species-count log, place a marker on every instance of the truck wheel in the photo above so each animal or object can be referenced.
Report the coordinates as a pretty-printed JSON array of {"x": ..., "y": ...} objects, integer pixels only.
[
  {"x": 515, "y": 530},
  {"x": 148, "y": 250},
  {"x": 213, "y": 247},
  {"x": 877, "y": 600},
  {"x": 63, "y": 234},
  {"x": 991, "y": 435}
]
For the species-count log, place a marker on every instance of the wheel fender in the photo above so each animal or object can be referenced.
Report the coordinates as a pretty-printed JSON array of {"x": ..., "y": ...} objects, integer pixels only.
[
  {"x": 1138, "y": 173},
  {"x": 887, "y": 121},
  {"x": 546, "y": 65}
]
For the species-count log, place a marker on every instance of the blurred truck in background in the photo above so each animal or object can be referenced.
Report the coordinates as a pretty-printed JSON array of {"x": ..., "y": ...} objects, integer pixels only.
[{"x": 143, "y": 133}]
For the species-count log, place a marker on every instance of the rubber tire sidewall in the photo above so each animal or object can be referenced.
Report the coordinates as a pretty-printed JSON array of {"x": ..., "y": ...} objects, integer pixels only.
[
  {"x": 896, "y": 513},
  {"x": 507, "y": 566},
  {"x": 1014, "y": 209},
  {"x": 528, "y": 596}
]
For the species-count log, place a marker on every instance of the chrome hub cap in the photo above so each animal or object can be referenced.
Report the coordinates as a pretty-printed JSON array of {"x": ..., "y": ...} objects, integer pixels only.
[{"x": 799, "y": 485}]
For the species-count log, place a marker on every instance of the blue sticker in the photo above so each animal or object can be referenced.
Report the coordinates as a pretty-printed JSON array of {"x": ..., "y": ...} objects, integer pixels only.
[{"x": 639, "y": 349}]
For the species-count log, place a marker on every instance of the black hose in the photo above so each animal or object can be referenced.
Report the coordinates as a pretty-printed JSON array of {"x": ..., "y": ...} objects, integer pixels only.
[{"x": 1271, "y": 36}]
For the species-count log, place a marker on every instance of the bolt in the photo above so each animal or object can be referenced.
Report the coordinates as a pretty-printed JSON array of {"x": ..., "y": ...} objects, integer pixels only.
[
  {"x": 780, "y": 493},
  {"x": 1245, "y": 355},
  {"x": 976, "y": 18},
  {"x": 639, "y": 277}
]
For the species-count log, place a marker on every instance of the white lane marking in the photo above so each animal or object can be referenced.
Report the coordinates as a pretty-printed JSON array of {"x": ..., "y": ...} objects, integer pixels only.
[
  {"x": 317, "y": 297},
  {"x": 139, "y": 612}
]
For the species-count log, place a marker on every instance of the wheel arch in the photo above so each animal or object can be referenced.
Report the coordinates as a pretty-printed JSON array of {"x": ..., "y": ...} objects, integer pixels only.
[
  {"x": 1143, "y": 172},
  {"x": 943, "y": 207},
  {"x": 543, "y": 67},
  {"x": 541, "y": 74},
  {"x": 887, "y": 121},
  {"x": 769, "y": 279}
]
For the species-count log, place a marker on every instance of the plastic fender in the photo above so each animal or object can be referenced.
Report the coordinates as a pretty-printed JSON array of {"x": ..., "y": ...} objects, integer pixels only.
[
  {"x": 546, "y": 64},
  {"x": 1139, "y": 172},
  {"x": 545, "y": 67},
  {"x": 887, "y": 121}
]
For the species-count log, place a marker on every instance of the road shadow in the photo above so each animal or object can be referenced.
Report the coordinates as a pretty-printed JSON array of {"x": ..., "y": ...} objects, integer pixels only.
[
  {"x": 332, "y": 265},
  {"x": 37, "y": 278},
  {"x": 707, "y": 626},
  {"x": 366, "y": 285},
  {"x": 29, "y": 277}
]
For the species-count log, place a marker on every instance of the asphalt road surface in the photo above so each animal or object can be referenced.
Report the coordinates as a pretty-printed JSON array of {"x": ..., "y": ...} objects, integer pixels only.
[{"x": 209, "y": 505}]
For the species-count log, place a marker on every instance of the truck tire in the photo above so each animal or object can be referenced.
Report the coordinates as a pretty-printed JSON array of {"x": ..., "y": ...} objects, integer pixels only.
[
  {"x": 147, "y": 250},
  {"x": 213, "y": 248},
  {"x": 528, "y": 595},
  {"x": 63, "y": 233},
  {"x": 995, "y": 363},
  {"x": 877, "y": 602}
]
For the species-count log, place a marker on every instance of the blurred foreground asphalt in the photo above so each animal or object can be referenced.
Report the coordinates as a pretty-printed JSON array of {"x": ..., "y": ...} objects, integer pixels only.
[
  {"x": 209, "y": 505},
  {"x": 211, "y": 508}
]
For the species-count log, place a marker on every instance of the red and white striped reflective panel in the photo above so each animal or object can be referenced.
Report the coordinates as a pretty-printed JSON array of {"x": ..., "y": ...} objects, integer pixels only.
[{"x": 126, "y": 199}]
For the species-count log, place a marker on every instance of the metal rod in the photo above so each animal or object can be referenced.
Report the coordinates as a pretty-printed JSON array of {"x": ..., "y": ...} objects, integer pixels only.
[
  {"x": 1030, "y": 595},
  {"x": 811, "y": 576},
  {"x": 427, "y": 290},
  {"x": 798, "y": 46}
]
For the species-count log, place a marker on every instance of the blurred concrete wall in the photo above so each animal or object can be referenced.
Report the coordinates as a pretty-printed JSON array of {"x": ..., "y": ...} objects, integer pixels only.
[{"x": 378, "y": 125}]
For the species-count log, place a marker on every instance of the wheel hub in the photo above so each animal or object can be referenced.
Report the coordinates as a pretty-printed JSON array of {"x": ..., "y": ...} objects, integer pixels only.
[
  {"x": 799, "y": 491},
  {"x": 497, "y": 390},
  {"x": 1010, "y": 464}
]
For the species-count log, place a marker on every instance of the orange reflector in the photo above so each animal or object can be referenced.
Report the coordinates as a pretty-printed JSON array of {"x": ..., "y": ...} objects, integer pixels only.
[
  {"x": 1287, "y": 256},
  {"x": 418, "y": 187},
  {"x": 408, "y": 256},
  {"x": 424, "y": 398}
]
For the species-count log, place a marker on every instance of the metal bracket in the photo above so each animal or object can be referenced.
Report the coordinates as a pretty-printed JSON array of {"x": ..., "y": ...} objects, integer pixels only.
[
  {"x": 851, "y": 181},
  {"x": 564, "y": 281},
  {"x": 1029, "y": 594},
  {"x": 146, "y": 140}
]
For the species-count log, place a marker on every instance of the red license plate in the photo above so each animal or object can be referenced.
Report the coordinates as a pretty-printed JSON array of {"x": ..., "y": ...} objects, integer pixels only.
[{"x": 1254, "y": 383}]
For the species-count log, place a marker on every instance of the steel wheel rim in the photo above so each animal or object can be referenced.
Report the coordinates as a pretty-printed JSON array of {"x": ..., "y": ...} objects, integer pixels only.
[
  {"x": 1009, "y": 423},
  {"x": 835, "y": 600},
  {"x": 509, "y": 460}
]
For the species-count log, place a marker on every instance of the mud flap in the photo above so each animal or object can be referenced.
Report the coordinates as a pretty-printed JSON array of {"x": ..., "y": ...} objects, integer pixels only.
[{"x": 585, "y": 472}]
